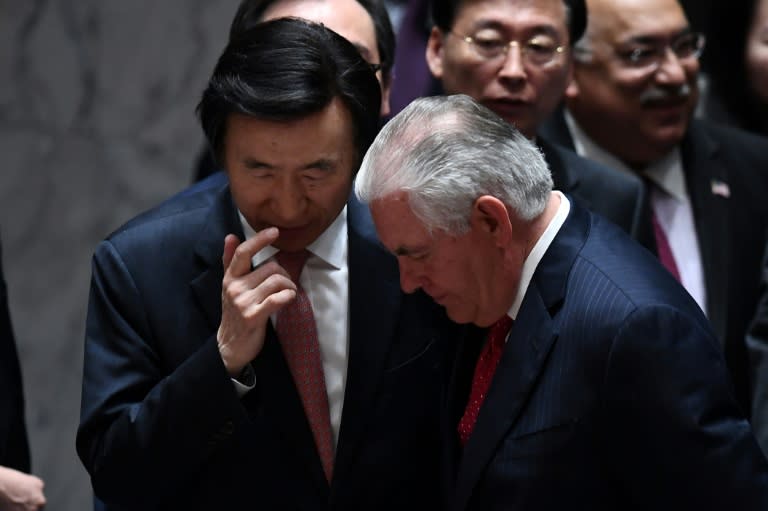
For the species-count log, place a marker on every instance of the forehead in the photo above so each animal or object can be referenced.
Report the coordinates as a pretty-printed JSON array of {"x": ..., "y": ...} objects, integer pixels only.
[
  {"x": 347, "y": 18},
  {"x": 397, "y": 226},
  {"x": 511, "y": 14},
  {"x": 619, "y": 20},
  {"x": 327, "y": 134}
]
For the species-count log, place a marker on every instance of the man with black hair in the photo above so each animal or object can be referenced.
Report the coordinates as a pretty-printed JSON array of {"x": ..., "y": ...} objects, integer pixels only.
[
  {"x": 514, "y": 57},
  {"x": 364, "y": 23},
  {"x": 219, "y": 373}
]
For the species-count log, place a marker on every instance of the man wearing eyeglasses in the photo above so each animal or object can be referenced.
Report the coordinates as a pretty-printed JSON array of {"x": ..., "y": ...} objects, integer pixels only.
[
  {"x": 629, "y": 107},
  {"x": 514, "y": 57}
]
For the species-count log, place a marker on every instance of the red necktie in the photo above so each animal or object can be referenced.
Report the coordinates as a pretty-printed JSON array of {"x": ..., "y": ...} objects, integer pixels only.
[
  {"x": 663, "y": 249},
  {"x": 481, "y": 381},
  {"x": 297, "y": 332}
]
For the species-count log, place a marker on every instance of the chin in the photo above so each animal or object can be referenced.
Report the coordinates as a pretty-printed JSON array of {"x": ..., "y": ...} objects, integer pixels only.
[{"x": 462, "y": 316}]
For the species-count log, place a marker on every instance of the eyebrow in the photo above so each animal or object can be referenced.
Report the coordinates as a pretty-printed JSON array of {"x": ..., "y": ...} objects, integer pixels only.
[
  {"x": 496, "y": 25},
  {"x": 647, "y": 39},
  {"x": 408, "y": 252},
  {"x": 253, "y": 163},
  {"x": 401, "y": 251},
  {"x": 322, "y": 164}
]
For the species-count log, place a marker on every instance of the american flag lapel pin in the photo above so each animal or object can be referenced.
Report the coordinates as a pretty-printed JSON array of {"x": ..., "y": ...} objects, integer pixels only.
[{"x": 721, "y": 188}]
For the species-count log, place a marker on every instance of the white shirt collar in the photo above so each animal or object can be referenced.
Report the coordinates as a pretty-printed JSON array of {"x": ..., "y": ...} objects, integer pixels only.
[
  {"x": 539, "y": 249},
  {"x": 329, "y": 247}
]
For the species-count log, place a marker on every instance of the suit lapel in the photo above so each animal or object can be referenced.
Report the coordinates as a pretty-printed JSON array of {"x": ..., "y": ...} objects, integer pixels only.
[
  {"x": 206, "y": 286},
  {"x": 704, "y": 174},
  {"x": 275, "y": 397},
  {"x": 532, "y": 337},
  {"x": 374, "y": 305},
  {"x": 526, "y": 350}
]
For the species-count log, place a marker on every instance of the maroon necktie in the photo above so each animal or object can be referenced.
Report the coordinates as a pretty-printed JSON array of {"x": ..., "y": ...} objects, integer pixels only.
[
  {"x": 297, "y": 332},
  {"x": 663, "y": 249},
  {"x": 481, "y": 381}
]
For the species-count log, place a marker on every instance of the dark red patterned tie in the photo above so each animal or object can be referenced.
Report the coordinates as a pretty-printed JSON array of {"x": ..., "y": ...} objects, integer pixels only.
[
  {"x": 481, "y": 381},
  {"x": 297, "y": 332},
  {"x": 663, "y": 249}
]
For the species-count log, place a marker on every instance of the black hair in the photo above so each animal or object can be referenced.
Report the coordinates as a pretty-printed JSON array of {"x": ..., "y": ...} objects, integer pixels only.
[
  {"x": 251, "y": 12},
  {"x": 444, "y": 14},
  {"x": 726, "y": 64},
  {"x": 287, "y": 69}
]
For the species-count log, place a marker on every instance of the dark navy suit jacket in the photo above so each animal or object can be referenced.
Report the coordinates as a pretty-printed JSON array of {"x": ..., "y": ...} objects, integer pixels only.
[
  {"x": 14, "y": 448},
  {"x": 730, "y": 227},
  {"x": 611, "y": 393},
  {"x": 161, "y": 424}
]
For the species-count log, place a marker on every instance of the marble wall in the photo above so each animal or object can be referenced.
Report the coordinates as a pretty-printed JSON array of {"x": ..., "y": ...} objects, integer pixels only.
[{"x": 97, "y": 123}]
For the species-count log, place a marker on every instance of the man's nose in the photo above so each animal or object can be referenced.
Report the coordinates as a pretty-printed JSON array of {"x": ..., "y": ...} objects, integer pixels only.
[
  {"x": 288, "y": 203},
  {"x": 671, "y": 70},
  {"x": 513, "y": 67},
  {"x": 409, "y": 281}
]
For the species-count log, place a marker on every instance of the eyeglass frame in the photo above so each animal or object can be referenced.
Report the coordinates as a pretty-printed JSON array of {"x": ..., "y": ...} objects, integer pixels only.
[
  {"x": 629, "y": 59},
  {"x": 504, "y": 49}
]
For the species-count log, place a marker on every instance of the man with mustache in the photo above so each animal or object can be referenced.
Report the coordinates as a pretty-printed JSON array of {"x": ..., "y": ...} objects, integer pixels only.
[
  {"x": 630, "y": 106},
  {"x": 515, "y": 57}
]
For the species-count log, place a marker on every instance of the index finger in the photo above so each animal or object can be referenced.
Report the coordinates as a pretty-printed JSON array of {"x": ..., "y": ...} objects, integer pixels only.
[{"x": 241, "y": 260}]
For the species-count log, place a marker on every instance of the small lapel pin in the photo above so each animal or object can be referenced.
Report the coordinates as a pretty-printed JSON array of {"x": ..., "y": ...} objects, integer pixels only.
[{"x": 720, "y": 188}]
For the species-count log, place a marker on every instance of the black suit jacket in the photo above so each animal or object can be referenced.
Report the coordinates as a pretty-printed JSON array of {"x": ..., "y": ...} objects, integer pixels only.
[
  {"x": 611, "y": 393},
  {"x": 14, "y": 448},
  {"x": 731, "y": 228},
  {"x": 619, "y": 197},
  {"x": 161, "y": 424}
]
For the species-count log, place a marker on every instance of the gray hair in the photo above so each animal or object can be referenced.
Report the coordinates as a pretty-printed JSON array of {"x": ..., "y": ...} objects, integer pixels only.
[{"x": 445, "y": 152}]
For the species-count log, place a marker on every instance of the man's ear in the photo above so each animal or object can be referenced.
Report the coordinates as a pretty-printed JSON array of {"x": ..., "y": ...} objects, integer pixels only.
[
  {"x": 490, "y": 215},
  {"x": 386, "y": 89},
  {"x": 572, "y": 90},
  {"x": 434, "y": 53}
]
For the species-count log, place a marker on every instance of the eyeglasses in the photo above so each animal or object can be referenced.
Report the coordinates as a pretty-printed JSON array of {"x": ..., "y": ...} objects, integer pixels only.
[
  {"x": 539, "y": 50},
  {"x": 649, "y": 57}
]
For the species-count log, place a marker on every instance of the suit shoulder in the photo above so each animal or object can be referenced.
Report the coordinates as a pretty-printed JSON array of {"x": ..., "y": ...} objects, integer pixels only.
[
  {"x": 735, "y": 143},
  {"x": 182, "y": 212},
  {"x": 595, "y": 174},
  {"x": 616, "y": 264}
]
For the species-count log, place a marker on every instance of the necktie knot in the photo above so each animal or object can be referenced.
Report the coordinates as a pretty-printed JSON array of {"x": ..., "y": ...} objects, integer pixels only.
[
  {"x": 497, "y": 333},
  {"x": 293, "y": 262}
]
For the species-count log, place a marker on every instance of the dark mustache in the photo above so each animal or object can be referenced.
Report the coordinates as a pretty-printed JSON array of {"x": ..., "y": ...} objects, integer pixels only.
[{"x": 656, "y": 93}]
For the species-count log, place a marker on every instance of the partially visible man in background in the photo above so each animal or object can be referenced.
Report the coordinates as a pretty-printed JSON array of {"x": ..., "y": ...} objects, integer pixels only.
[
  {"x": 18, "y": 490},
  {"x": 515, "y": 57},
  {"x": 364, "y": 23},
  {"x": 630, "y": 107}
]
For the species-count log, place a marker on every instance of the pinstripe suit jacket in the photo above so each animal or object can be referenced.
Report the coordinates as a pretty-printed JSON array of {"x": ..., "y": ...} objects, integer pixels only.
[{"x": 612, "y": 393}]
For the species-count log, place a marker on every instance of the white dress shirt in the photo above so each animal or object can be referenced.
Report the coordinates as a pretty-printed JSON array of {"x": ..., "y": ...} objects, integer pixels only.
[
  {"x": 539, "y": 249},
  {"x": 325, "y": 280},
  {"x": 670, "y": 202}
]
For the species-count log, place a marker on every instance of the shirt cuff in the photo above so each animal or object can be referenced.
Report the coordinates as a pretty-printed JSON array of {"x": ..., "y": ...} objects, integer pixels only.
[{"x": 245, "y": 382}]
